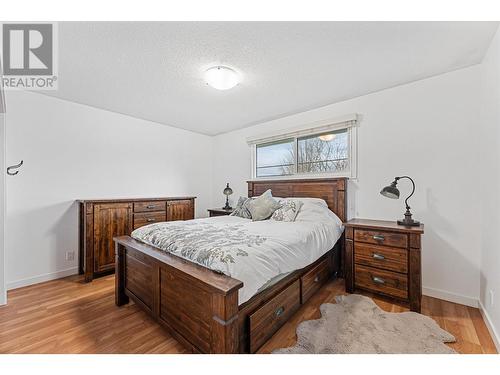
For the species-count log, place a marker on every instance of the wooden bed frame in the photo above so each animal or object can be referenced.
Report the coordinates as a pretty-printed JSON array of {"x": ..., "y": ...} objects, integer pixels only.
[{"x": 200, "y": 307}]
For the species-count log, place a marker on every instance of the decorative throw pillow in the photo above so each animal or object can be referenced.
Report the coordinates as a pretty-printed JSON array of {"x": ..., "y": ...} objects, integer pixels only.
[
  {"x": 288, "y": 210},
  {"x": 261, "y": 208},
  {"x": 241, "y": 209},
  {"x": 267, "y": 193}
]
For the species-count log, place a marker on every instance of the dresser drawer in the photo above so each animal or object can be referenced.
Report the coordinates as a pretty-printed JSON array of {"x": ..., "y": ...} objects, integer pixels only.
[
  {"x": 387, "y": 258},
  {"x": 314, "y": 279},
  {"x": 381, "y": 237},
  {"x": 387, "y": 282},
  {"x": 145, "y": 218},
  {"x": 150, "y": 206},
  {"x": 265, "y": 321}
]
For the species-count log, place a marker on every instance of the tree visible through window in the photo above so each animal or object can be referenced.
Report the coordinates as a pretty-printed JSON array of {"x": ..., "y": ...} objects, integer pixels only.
[
  {"x": 312, "y": 154},
  {"x": 328, "y": 152},
  {"x": 323, "y": 153}
]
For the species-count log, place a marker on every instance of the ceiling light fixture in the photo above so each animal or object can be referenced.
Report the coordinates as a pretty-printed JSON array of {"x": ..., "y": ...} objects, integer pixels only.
[{"x": 221, "y": 77}]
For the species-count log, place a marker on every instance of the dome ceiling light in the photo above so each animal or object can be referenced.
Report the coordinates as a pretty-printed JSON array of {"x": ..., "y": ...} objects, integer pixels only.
[{"x": 221, "y": 77}]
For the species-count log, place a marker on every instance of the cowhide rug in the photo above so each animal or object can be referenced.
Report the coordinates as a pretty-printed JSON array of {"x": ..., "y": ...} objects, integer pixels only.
[{"x": 355, "y": 324}]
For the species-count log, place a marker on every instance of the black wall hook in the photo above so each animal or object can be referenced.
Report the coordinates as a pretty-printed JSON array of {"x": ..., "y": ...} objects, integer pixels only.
[{"x": 14, "y": 167}]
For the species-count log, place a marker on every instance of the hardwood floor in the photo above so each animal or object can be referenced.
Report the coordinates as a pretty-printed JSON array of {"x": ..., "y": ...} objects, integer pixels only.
[
  {"x": 463, "y": 322},
  {"x": 69, "y": 316}
]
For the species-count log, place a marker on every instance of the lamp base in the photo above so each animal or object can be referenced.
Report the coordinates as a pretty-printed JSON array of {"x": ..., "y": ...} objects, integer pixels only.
[
  {"x": 408, "y": 221},
  {"x": 227, "y": 206}
]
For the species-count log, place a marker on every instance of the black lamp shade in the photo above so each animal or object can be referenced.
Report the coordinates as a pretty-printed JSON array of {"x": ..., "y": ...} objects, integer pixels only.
[{"x": 390, "y": 191}]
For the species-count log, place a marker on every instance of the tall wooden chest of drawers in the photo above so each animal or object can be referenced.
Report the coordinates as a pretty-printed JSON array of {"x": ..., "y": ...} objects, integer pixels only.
[
  {"x": 384, "y": 257},
  {"x": 103, "y": 219}
]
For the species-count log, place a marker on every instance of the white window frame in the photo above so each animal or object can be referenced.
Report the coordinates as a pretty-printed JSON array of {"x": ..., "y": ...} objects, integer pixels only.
[{"x": 349, "y": 122}]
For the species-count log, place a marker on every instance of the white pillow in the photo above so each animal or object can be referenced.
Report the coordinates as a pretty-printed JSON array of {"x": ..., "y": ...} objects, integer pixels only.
[
  {"x": 319, "y": 201},
  {"x": 315, "y": 211}
]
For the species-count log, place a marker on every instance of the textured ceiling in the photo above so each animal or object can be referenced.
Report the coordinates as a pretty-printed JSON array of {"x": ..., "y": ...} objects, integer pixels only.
[{"x": 154, "y": 71}]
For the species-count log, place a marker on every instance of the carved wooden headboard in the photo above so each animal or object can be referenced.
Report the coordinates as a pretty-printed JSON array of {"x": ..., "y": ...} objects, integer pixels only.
[{"x": 332, "y": 190}]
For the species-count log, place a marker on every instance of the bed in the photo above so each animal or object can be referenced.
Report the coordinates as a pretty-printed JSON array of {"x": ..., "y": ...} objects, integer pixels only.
[{"x": 211, "y": 312}]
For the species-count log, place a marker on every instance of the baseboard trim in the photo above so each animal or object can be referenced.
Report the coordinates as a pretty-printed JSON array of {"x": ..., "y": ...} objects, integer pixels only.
[
  {"x": 451, "y": 297},
  {"x": 489, "y": 324},
  {"x": 42, "y": 278}
]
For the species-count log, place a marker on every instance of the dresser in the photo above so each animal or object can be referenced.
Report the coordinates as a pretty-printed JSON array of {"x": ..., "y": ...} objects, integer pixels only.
[
  {"x": 383, "y": 257},
  {"x": 103, "y": 219}
]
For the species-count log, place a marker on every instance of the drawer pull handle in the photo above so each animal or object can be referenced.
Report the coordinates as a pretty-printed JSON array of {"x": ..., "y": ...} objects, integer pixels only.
[
  {"x": 150, "y": 220},
  {"x": 378, "y": 280},
  {"x": 150, "y": 206},
  {"x": 316, "y": 279},
  {"x": 279, "y": 311},
  {"x": 378, "y": 237},
  {"x": 378, "y": 256}
]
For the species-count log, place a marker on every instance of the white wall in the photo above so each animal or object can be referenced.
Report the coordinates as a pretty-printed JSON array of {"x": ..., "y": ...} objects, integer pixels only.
[
  {"x": 490, "y": 186},
  {"x": 3, "y": 289},
  {"x": 72, "y": 151},
  {"x": 428, "y": 130}
]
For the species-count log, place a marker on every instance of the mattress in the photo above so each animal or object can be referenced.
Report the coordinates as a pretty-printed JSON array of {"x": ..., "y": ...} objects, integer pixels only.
[{"x": 258, "y": 253}]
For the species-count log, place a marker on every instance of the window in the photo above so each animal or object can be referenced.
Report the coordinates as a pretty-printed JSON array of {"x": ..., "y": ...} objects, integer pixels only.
[
  {"x": 327, "y": 152},
  {"x": 309, "y": 152},
  {"x": 275, "y": 159}
]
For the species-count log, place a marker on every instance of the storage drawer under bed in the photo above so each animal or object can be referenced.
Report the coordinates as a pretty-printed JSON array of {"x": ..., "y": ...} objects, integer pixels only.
[
  {"x": 266, "y": 320},
  {"x": 314, "y": 279}
]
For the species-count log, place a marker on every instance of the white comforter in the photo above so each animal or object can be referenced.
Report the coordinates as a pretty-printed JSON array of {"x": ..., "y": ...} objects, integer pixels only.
[{"x": 252, "y": 252}]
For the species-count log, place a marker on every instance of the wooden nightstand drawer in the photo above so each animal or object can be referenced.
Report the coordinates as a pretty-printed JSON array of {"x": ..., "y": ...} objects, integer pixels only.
[
  {"x": 219, "y": 212},
  {"x": 381, "y": 237},
  {"x": 387, "y": 282},
  {"x": 387, "y": 258}
]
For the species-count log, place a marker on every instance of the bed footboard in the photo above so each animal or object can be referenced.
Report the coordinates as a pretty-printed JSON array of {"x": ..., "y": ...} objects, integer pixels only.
[{"x": 197, "y": 306}]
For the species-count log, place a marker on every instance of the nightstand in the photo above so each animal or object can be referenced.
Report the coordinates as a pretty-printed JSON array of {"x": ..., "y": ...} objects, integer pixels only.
[
  {"x": 219, "y": 212},
  {"x": 384, "y": 258}
]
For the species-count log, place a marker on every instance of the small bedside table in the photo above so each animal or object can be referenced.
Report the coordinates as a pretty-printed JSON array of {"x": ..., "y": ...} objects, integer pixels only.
[
  {"x": 219, "y": 212},
  {"x": 384, "y": 257}
]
